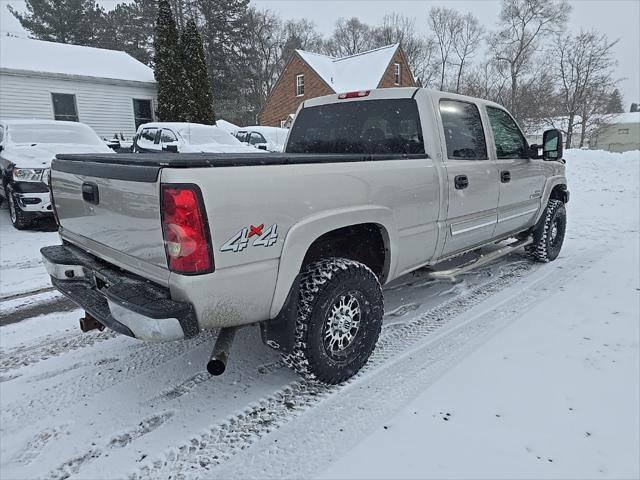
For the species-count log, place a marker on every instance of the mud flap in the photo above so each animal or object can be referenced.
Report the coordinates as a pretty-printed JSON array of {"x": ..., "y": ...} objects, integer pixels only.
[{"x": 279, "y": 333}]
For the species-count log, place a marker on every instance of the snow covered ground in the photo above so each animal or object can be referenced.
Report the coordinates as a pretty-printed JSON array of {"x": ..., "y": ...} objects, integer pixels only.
[{"x": 521, "y": 370}]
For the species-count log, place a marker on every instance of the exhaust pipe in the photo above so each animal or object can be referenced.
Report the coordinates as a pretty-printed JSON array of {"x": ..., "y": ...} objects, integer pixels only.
[
  {"x": 218, "y": 361},
  {"x": 88, "y": 323}
]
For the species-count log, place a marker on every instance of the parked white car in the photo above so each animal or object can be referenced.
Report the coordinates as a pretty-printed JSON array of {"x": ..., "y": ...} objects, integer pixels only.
[
  {"x": 186, "y": 138},
  {"x": 271, "y": 139},
  {"x": 27, "y": 148}
]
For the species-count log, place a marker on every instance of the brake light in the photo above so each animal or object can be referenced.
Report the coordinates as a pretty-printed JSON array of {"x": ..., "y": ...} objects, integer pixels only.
[
  {"x": 185, "y": 229},
  {"x": 358, "y": 94}
]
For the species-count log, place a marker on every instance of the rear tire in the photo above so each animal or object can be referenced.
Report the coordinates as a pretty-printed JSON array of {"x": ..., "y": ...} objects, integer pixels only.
[
  {"x": 340, "y": 310},
  {"x": 548, "y": 234}
]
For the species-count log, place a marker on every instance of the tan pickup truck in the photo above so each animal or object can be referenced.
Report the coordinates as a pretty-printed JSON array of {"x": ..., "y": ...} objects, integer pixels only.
[{"x": 372, "y": 185}]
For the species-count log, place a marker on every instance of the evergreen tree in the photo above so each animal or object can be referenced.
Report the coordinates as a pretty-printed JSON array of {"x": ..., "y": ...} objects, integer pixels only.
[
  {"x": 614, "y": 103},
  {"x": 132, "y": 26},
  {"x": 80, "y": 22},
  {"x": 224, "y": 33},
  {"x": 198, "y": 100},
  {"x": 168, "y": 69}
]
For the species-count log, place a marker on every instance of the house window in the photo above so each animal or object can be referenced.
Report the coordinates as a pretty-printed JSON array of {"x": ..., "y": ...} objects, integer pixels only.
[
  {"x": 623, "y": 131},
  {"x": 299, "y": 85},
  {"x": 64, "y": 107},
  {"x": 396, "y": 73},
  {"x": 142, "y": 112}
]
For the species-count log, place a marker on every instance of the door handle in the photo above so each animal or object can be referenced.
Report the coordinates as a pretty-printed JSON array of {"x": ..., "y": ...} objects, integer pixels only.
[
  {"x": 90, "y": 193},
  {"x": 461, "y": 182},
  {"x": 505, "y": 176}
]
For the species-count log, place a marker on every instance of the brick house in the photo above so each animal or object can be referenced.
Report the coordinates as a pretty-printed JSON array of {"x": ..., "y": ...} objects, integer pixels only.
[{"x": 309, "y": 75}]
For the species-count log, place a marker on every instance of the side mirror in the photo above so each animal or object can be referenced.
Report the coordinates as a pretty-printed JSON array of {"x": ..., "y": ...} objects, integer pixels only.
[
  {"x": 262, "y": 146},
  {"x": 552, "y": 145},
  {"x": 170, "y": 147}
]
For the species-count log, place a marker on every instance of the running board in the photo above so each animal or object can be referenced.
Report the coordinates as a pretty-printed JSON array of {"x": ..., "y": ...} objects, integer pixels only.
[{"x": 482, "y": 260}]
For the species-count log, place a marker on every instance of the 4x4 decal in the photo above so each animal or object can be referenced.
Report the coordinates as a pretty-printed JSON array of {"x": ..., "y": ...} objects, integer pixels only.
[{"x": 240, "y": 241}]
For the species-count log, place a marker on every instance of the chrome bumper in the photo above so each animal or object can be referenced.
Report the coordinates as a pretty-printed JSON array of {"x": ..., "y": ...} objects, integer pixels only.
[{"x": 125, "y": 303}]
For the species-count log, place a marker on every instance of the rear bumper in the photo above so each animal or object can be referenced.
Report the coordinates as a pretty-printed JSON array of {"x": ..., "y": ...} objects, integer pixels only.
[{"x": 123, "y": 302}]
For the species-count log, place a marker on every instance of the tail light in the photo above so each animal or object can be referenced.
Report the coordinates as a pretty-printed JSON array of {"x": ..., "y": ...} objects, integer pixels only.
[
  {"x": 358, "y": 94},
  {"x": 187, "y": 240}
]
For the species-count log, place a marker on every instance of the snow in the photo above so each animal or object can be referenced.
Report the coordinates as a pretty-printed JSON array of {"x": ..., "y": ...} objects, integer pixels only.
[
  {"x": 470, "y": 380},
  {"x": 227, "y": 126},
  {"x": 356, "y": 72},
  {"x": 64, "y": 59}
]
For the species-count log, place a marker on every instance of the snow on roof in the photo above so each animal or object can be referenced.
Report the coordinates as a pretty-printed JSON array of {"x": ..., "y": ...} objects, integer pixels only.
[
  {"x": 362, "y": 71},
  {"x": 628, "y": 117},
  {"x": 63, "y": 59}
]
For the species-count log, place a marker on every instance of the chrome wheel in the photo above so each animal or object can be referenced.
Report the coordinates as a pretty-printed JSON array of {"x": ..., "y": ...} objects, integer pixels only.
[{"x": 343, "y": 323}]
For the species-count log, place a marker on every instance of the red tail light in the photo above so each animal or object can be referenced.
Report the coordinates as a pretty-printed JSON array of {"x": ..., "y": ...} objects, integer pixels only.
[
  {"x": 358, "y": 94},
  {"x": 187, "y": 241}
]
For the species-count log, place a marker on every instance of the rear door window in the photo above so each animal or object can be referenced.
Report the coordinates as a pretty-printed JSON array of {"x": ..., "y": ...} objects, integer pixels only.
[
  {"x": 255, "y": 138},
  {"x": 463, "y": 131},
  {"x": 370, "y": 127}
]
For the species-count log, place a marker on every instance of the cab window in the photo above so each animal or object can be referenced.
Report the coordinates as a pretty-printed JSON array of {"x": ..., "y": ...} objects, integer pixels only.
[
  {"x": 509, "y": 140},
  {"x": 463, "y": 130}
]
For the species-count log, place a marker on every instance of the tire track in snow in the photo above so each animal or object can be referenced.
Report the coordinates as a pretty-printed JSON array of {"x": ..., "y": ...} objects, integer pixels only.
[
  {"x": 51, "y": 346},
  {"x": 134, "y": 360},
  {"x": 73, "y": 465},
  {"x": 215, "y": 450}
]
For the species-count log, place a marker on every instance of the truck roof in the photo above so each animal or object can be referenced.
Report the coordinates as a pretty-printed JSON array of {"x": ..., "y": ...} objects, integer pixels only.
[{"x": 396, "y": 92}]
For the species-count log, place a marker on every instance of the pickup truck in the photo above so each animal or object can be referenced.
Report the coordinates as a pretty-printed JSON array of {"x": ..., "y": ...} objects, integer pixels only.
[
  {"x": 27, "y": 148},
  {"x": 372, "y": 185}
]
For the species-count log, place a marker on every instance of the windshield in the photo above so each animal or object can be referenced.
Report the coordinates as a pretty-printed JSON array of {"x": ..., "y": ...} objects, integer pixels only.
[
  {"x": 370, "y": 126},
  {"x": 204, "y": 135},
  {"x": 51, "y": 133}
]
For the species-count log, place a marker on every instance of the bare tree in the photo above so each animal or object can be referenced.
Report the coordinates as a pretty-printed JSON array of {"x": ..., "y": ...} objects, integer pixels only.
[
  {"x": 445, "y": 24},
  {"x": 420, "y": 52},
  {"x": 584, "y": 77},
  {"x": 303, "y": 35},
  {"x": 350, "y": 37},
  {"x": 523, "y": 23},
  {"x": 466, "y": 43}
]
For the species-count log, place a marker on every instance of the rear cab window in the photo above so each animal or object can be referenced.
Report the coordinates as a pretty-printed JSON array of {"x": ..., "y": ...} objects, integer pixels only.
[
  {"x": 463, "y": 132},
  {"x": 390, "y": 126}
]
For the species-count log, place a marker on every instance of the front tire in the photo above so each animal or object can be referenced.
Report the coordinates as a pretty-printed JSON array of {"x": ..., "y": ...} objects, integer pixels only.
[
  {"x": 340, "y": 310},
  {"x": 548, "y": 234},
  {"x": 17, "y": 216}
]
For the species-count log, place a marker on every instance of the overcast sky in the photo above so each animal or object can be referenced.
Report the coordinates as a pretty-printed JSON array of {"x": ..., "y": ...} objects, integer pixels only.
[{"x": 617, "y": 18}]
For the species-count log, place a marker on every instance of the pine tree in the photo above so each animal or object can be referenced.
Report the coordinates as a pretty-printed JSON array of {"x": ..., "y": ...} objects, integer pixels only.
[
  {"x": 168, "y": 69},
  {"x": 199, "y": 102},
  {"x": 224, "y": 33},
  {"x": 80, "y": 22},
  {"x": 614, "y": 103}
]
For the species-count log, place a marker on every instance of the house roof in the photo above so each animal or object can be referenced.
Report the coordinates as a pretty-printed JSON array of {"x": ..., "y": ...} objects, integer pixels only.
[
  {"x": 26, "y": 54},
  {"x": 362, "y": 71}
]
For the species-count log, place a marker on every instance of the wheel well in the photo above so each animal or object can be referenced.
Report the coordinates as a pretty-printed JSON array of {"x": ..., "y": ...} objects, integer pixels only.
[
  {"x": 560, "y": 192},
  {"x": 364, "y": 243}
]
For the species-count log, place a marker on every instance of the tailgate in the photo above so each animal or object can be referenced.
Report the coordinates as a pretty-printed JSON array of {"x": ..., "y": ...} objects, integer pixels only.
[{"x": 113, "y": 212}]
